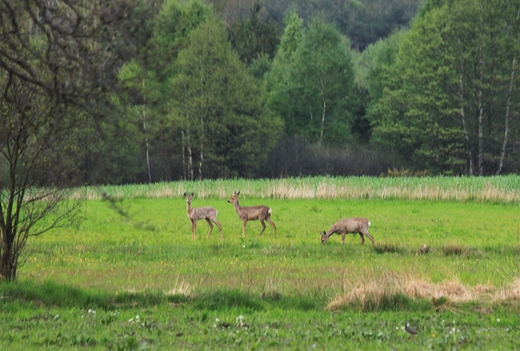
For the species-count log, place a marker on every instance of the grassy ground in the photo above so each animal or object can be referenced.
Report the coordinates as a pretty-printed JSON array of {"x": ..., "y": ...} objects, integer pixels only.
[{"x": 284, "y": 292}]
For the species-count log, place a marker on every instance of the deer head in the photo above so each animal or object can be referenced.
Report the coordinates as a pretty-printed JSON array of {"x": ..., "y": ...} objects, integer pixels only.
[
  {"x": 234, "y": 198},
  {"x": 189, "y": 197},
  {"x": 324, "y": 237}
]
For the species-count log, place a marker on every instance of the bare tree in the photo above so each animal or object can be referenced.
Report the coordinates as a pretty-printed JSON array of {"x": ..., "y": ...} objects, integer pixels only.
[{"x": 56, "y": 58}]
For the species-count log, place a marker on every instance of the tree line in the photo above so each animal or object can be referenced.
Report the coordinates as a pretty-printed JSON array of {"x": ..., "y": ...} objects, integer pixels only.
[{"x": 220, "y": 89}]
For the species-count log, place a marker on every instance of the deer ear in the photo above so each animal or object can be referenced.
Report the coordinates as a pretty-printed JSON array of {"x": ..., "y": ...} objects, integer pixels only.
[
  {"x": 238, "y": 193},
  {"x": 323, "y": 233},
  {"x": 192, "y": 194},
  {"x": 184, "y": 194}
]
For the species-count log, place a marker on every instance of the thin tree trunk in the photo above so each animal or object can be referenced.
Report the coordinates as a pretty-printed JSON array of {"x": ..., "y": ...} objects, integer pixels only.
[
  {"x": 480, "y": 126},
  {"x": 201, "y": 147},
  {"x": 324, "y": 106},
  {"x": 508, "y": 118},
  {"x": 147, "y": 149},
  {"x": 463, "y": 119},
  {"x": 190, "y": 154},
  {"x": 184, "y": 162},
  {"x": 142, "y": 115},
  {"x": 323, "y": 111}
]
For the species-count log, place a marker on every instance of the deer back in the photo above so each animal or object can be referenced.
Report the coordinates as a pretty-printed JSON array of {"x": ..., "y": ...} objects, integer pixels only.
[
  {"x": 253, "y": 212},
  {"x": 202, "y": 212},
  {"x": 350, "y": 225}
]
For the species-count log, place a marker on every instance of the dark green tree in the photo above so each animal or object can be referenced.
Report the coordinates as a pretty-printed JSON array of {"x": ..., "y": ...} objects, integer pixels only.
[
  {"x": 447, "y": 99},
  {"x": 255, "y": 36}
]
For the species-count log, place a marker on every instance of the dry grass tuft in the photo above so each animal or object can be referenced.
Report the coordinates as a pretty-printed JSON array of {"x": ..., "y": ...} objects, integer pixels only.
[
  {"x": 379, "y": 290},
  {"x": 511, "y": 292},
  {"x": 183, "y": 288}
]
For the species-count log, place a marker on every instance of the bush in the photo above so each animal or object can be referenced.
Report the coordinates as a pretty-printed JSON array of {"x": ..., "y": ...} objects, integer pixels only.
[{"x": 295, "y": 157}]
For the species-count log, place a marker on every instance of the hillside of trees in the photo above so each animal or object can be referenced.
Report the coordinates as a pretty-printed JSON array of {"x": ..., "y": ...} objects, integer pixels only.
[{"x": 115, "y": 92}]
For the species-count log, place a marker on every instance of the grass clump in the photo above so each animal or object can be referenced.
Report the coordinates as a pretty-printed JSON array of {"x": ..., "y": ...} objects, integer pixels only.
[
  {"x": 50, "y": 294},
  {"x": 460, "y": 250},
  {"x": 382, "y": 247}
]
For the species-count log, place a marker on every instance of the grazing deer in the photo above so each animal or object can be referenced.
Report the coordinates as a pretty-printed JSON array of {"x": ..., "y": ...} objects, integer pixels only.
[
  {"x": 252, "y": 213},
  {"x": 208, "y": 213},
  {"x": 349, "y": 226}
]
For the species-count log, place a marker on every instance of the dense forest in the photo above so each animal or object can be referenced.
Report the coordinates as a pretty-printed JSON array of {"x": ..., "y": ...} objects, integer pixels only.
[{"x": 120, "y": 91}]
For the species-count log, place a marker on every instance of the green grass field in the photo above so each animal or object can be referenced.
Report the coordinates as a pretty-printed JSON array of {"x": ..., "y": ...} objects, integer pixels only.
[{"x": 84, "y": 285}]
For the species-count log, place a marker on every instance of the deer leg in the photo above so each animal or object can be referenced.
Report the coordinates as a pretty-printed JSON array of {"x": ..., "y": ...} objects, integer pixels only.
[
  {"x": 210, "y": 227},
  {"x": 343, "y": 238},
  {"x": 218, "y": 225},
  {"x": 193, "y": 229},
  {"x": 369, "y": 236},
  {"x": 271, "y": 223},
  {"x": 362, "y": 238},
  {"x": 244, "y": 228},
  {"x": 263, "y": 227}
]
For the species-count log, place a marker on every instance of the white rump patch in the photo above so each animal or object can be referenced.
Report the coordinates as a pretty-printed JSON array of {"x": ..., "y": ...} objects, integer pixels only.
[
  {"x": 270, "y": 211},
  {"x": 369, "y": 224}
]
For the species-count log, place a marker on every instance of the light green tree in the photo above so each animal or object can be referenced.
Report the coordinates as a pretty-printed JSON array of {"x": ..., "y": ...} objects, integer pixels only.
[
  {"x": 311, "y": 84},
  {"x": 280, "y": 92},
  {"x": 146, "y": 81},
  {"x": 323, "y": 79},
  {"x": 226, "y": 128}
]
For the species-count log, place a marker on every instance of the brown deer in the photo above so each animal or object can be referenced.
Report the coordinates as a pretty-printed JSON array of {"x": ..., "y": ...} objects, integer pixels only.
[
  {"x": 252, "y": 213},
  {"x": 208, "y": 213},
  {"x": 349, "y": 226}
]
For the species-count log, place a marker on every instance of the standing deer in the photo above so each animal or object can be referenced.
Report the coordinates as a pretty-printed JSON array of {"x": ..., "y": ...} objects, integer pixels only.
[
  {"x": 252, "y": 213},
  {"x": 349, "y": 226},
  {"x": 208, "y": 213}
]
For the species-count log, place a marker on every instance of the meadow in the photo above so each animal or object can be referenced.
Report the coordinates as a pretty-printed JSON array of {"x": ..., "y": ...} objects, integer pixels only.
[{"x": 127, "y": 276}]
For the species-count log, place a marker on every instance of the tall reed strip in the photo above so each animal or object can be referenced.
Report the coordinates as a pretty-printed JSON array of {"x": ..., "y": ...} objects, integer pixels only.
[{"x": 503, "y": 189}]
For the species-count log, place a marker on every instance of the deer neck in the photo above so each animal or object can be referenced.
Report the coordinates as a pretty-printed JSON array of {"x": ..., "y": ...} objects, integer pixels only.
[
  {"x": 188, "y": 208},
  {"x": 237, "y": 207}
]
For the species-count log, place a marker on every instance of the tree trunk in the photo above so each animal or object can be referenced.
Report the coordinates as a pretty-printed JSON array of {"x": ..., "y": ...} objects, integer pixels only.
[
  {"x": 147, "y": 146},
  {"x": 480, "y": 122},
  {"x": 463, "y": 119},
  {"x": 142, "y": 115},
  {"x": 6, "y": 271},
  {"x": 324, "y": 106},
  {"x": 190, "y": 155},
  {"x": 323, "y": 111},
  {"x": 201, "y": 162},
  {"x": 508, "y": 118},
  {"x": 184, "y": 162}
]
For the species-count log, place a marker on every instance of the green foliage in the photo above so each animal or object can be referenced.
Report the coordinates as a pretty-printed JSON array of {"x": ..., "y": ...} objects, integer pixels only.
[
  {"x": 311, "y": 84},
  {"x": 226, "y": 126},
  {"x": 254, "y": 36},
  {"x": 437, "y": 92},
  {"x": 176, "y": 20},
  {"x": 378, "y": 57}
]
